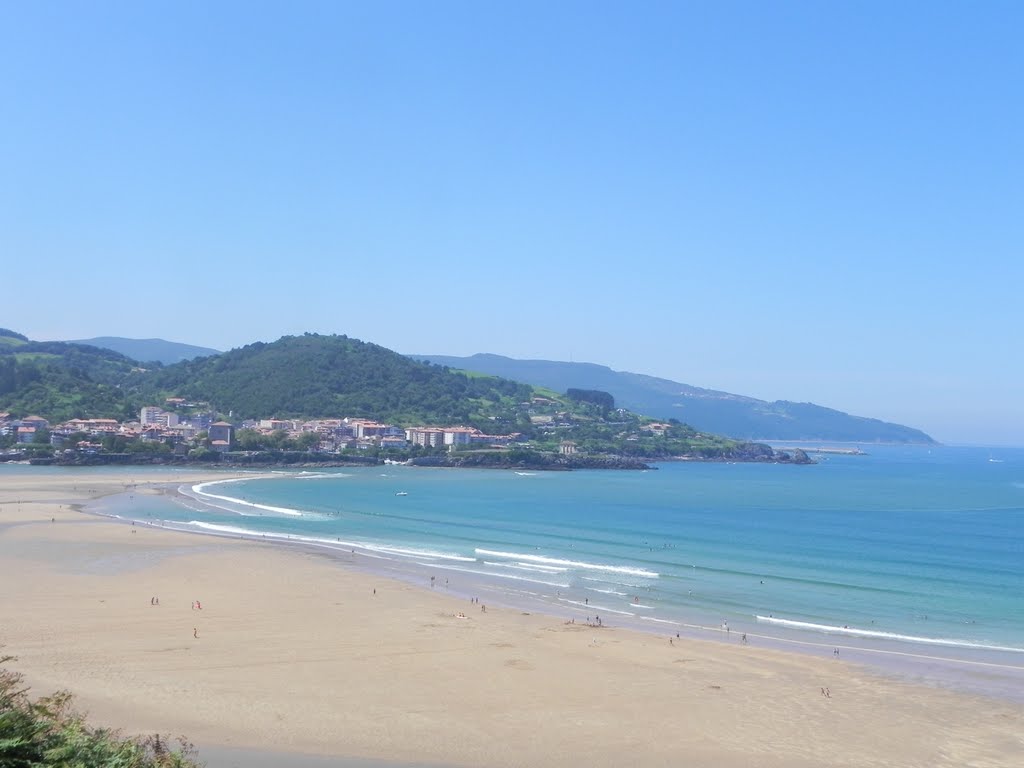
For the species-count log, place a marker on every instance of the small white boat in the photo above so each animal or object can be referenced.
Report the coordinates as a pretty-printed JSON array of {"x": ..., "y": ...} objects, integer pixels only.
[{"x": 401, "y": 493}]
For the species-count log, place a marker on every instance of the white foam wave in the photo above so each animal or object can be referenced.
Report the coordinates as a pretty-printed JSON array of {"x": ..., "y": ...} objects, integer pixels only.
[
  {"x": 427, "y": 554},
  {"x": 608, "y": 592},
  {"x": 527, "y": 567},
  {"x": 319, "y": 541},
  {"x": 870, "y": 633},
  {"x": 519, "y": 556},
  {"x": 616, "y": 582},
  {"x": 222, "y": 528},
  {"x": 380, "y": 551},
  {"x": 198, "y": 489},
  {"x": 547, "y": 568}
]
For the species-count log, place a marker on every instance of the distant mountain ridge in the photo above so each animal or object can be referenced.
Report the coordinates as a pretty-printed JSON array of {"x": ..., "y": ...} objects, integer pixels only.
[
  {"x": 737, "y": 416},
  {"x": 149, "y": 350}
]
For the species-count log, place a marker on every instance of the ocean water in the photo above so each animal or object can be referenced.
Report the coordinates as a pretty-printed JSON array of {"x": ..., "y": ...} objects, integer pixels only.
[{"x": 909, "y": 558}]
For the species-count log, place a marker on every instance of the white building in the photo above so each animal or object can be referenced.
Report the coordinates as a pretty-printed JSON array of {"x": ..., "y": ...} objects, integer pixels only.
[{"x": 152, "y": 415}]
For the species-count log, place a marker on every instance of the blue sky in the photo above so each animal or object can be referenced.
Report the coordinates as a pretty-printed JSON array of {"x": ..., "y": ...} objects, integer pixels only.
[{"x": 805, "y": 201}]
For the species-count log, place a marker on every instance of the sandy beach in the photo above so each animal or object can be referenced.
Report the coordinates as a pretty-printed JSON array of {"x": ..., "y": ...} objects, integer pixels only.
[{"x": 295, "y": 652}]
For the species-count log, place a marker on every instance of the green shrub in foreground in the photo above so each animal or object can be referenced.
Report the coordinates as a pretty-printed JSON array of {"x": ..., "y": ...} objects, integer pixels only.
[{"x": 48, "y": 732}]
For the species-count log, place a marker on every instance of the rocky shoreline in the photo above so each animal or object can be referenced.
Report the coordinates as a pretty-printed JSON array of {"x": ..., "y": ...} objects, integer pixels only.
[{"x": 534, "y": 460}]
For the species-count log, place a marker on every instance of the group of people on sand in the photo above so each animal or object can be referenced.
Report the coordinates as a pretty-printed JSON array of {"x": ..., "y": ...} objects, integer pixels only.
[{"x": 196, "y": 606}]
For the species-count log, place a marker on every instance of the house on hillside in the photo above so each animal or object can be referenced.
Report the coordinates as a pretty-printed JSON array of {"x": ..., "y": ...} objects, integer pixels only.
[
  {"x": 279, "y": 424},
  {"x": 222, "y": 435},
  {"x": 35, "y": 421}
]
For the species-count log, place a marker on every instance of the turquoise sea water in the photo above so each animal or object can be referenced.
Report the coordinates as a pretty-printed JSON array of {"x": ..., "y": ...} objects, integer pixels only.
[{"x": 910, "y": 558}]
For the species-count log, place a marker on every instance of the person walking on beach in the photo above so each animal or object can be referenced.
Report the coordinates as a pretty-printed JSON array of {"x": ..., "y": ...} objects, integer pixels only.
[{"x": 195, "y": 632}]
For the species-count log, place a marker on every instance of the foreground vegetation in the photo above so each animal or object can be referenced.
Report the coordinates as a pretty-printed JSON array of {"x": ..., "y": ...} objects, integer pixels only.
[{"x": 49, "y": 732}]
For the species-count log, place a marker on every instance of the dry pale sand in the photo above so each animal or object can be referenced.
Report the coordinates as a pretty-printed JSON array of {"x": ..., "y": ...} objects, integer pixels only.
[{"x": 296, "y": 653}]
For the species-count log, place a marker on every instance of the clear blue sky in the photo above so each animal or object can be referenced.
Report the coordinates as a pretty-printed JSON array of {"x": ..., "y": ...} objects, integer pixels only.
[{"x": 817, "y": 201}]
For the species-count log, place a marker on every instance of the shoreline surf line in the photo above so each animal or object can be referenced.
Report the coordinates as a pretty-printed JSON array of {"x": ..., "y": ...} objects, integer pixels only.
[
  {"x": 540, "y": 562},
  {"x": 718, "y": 630},
  {"x": 325, "y": 542},
  {"x": 340, "y": 547},
  {"x": 525, "y": 561},
  {"x": 828, "y": 629},
  {"x": 634, "y": 622}
]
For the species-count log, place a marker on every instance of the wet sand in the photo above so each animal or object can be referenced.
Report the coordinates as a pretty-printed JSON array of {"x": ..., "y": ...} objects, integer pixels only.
[{"x": 292, "y": 652}]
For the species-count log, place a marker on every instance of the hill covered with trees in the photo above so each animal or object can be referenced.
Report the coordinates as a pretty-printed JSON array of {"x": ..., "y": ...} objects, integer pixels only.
[
  {"x": 314, "y": 375},
  {"x": 61, "y": 381}
]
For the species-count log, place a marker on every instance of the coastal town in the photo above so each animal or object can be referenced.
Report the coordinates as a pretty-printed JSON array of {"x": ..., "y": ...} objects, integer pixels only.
[
  {"x": 553, "y": 436},
  {"x": 182, "y": 427}
]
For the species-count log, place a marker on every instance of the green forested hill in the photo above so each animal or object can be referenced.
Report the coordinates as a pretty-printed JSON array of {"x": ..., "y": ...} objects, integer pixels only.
[
  {"x": 315, "y": 375},
  {"x": 296, "y": 376},
  {"x": 61, "y": 381}
]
